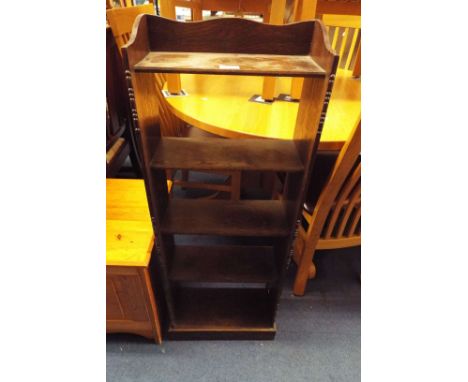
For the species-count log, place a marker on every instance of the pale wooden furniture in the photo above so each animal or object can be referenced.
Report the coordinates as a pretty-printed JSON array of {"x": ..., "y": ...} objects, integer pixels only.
[
  {"x": 194, "y": 276},
  {"x": 122, "y": 3},
  {"x": 220, "y": 105},
  {"x": 335, "y": 221},
  {"x": 306, "y": 9},
  {"x": 303, "y": 10},
  {"x": 345, "y": 36},
  {"x": 130, "y": 301},
  {"x": 121, "y": 21},
  {"x": 339, "y": 7},
  {"x": 238, "y": 8},
  {"x": 344, "y": 32}
]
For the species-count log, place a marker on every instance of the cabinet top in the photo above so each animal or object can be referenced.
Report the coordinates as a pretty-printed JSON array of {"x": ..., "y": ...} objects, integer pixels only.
[{"x": 129, "y": 233}]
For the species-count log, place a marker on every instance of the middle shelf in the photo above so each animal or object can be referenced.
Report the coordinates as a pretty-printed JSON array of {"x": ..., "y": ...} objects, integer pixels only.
[
  {"x": 225, "y": 217},
  {"x": 226, "y": 154}
]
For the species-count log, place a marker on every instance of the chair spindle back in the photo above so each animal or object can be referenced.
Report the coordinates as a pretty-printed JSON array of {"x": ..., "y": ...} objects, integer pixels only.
[{"x": 345, "y": 35}]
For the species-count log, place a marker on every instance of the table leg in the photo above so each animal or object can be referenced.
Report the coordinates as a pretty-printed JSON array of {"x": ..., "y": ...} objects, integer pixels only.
[
  {"x": 168, "y": 10},
  {"x": 277, "y": 18},
  {"x": 305, "y": 11}
]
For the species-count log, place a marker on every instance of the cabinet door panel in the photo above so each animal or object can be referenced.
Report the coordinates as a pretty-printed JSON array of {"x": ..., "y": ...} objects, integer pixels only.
[
  {"x": 130, "y": 292},
  {"x": 113, "y": 308}
]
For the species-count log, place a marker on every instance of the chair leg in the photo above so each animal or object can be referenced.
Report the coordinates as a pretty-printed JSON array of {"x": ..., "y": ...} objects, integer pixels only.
[
  {"x": 306, "y": 270},
  {"x": 312, "y": 271},
  {"x": 300, "y": 284}
]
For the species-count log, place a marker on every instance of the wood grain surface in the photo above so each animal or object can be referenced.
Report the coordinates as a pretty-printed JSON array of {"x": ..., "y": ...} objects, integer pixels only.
[
  {"x": 230, "y": 63},
  {"x": 226, "y": 154}
]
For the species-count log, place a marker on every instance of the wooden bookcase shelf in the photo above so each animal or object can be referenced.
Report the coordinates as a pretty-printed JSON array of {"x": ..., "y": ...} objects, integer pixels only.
[
  {"x": 220, "y": 291},
  {"x": 226, "y": 154},
  {"x": 212, "y": 310},
  {"x": 226, "y": 217},
  {"x": 230, "y": 63},
  {"x": 223, "y": 264}
]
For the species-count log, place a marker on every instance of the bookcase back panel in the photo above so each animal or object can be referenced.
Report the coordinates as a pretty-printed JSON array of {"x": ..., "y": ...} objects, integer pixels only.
[{"x": 229, "y": 36}]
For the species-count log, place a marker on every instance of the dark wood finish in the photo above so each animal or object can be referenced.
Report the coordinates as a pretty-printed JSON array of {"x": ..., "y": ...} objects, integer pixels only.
[
  {"x": 148, "y": 132},
  {"x": 226, "y": 218},
  {"x": 230, "y": 63},
  {"x": 165, "y": 123},
  {"x": 209, "y": 309},
  {"x": 232, "y": 35},
  {"x": 216, "y": 312},
  {"x": 240, "y": 264},
  {"x": 227, "y": 154},
  {"x": 118, "y": 121},
  {"x": 130, "y": 304},
  {"x": 313, "y": 105},
  {"x": 232, "y": 189}
]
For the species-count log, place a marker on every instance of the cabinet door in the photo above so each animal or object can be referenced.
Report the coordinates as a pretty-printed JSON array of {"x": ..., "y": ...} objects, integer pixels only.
[{"x": 126, "y": 295}]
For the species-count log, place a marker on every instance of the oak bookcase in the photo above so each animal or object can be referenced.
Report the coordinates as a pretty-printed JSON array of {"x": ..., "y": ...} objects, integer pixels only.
[{"x": 226, "y": 291}]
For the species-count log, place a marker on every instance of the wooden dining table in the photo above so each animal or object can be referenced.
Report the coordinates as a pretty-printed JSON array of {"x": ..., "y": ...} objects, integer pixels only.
[{"x": 222, "y": 105}]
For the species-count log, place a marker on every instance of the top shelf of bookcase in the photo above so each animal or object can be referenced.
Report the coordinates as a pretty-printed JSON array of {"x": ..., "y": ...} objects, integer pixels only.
[
  {"x": 228, "y": 46},
  {"x": 230, "y": 63}
]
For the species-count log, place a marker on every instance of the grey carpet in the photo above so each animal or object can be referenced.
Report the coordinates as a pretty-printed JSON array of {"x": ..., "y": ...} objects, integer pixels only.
[{"x": 318, "y": 339}]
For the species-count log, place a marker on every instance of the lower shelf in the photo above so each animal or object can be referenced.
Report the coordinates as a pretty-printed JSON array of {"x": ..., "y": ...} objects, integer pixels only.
[
  {"x": 208, "y": 313},
  {"x": 253, "y": 264}
]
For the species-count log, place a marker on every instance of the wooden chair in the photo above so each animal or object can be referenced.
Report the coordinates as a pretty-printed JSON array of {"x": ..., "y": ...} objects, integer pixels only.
[
  {"x": 345, "y": 35},
  {"x": 121, "y": 22},
  {"x": 335, "y": 221},
  {"x": 238, "y": 8},
  {"x": 119, "y": 139},
  {"x": 122, "y": 3},
  {"x": 339, "y": 7},
  {"x": 338, "y": 15}
]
